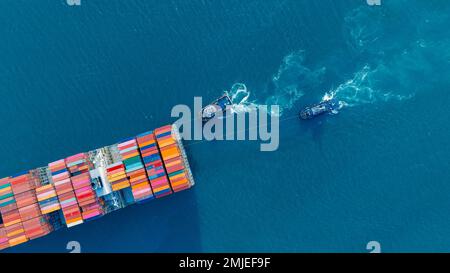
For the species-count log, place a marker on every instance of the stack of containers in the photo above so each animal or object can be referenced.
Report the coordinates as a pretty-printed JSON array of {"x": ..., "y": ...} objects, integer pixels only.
[
  {"x": 172, "y": 158},
  {"x": 3, "y": 238},
  {"x": 6, "y": 194},
  {"x": 29, "y": 206},
  {"x": 22, "y": 182},
  {"x": 16, "y": 234},
  {"x": 15, "y": 231},
  {"x": 8, "y": 208},
  {"x": 79, "y": 166},
  {"x": 86, "y": 197},
  {"x": 65, "y": 192},
  {"x": 134, "y": 169},
  {"x": 153, "y": 164},
  {"x": 12, "y": 230},
  {"x": 12, "y": 223},
  {"x": 33, "y": 223},
  {"x": 10, "y": 215},
  {"x": 117, "y": 176},
  {"x": 37, "y": 227},
  {"x": 47, "y": 198}
]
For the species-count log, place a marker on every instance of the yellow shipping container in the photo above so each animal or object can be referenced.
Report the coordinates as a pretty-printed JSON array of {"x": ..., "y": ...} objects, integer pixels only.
[
  {"x": 17, "y": 241},
  {"x": 120, "y": 186}
]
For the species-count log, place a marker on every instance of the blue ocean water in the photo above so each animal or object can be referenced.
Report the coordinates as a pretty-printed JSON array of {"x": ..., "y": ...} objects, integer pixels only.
[{"x": 74, "y": 78}]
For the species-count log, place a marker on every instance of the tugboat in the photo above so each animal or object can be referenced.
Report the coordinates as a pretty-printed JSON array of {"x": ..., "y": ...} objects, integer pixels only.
[
  {"x": 325, "y": 106},
  {"x": 219, "y": 105}
]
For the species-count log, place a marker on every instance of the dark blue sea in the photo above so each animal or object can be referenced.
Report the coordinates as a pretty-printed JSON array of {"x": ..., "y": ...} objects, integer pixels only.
[{"x": 74, "y": 78}]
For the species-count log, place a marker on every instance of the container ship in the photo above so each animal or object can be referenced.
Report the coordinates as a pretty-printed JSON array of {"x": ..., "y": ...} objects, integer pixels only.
[{"x": 86, "y": 186}]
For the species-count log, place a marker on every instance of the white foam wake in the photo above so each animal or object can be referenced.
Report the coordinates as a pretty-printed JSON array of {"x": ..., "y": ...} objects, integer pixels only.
[
  {"x": 286, "y": 87},
  {"x": 360, "y": 90},
  {"x": 239, "y": 95}
]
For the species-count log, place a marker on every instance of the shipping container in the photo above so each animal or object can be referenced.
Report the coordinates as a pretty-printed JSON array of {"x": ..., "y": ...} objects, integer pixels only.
[
  {"x": 135, "y": 171},
  {"x": 25, "y": 198},
  {"x": 47, "y": 198},
  {"x": 153, "y": 164},
  {"x": 117, "y": 176},
  {"x": 66, "y": 195},
  {"x": 172, "y": 156},
  {"x": 6, "y": 193},
  {"x": 22, "y": 182},
  {"x": 79, "y": 166},
  {"x": 37, "y": 227},
  {"x": 3, "y": 238},
  {"x": 16, "y": 234},
  {"x": 29, "y": 212},
  {"x": 11, "y": 216},
  {"x": 25, "y": 187}
]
